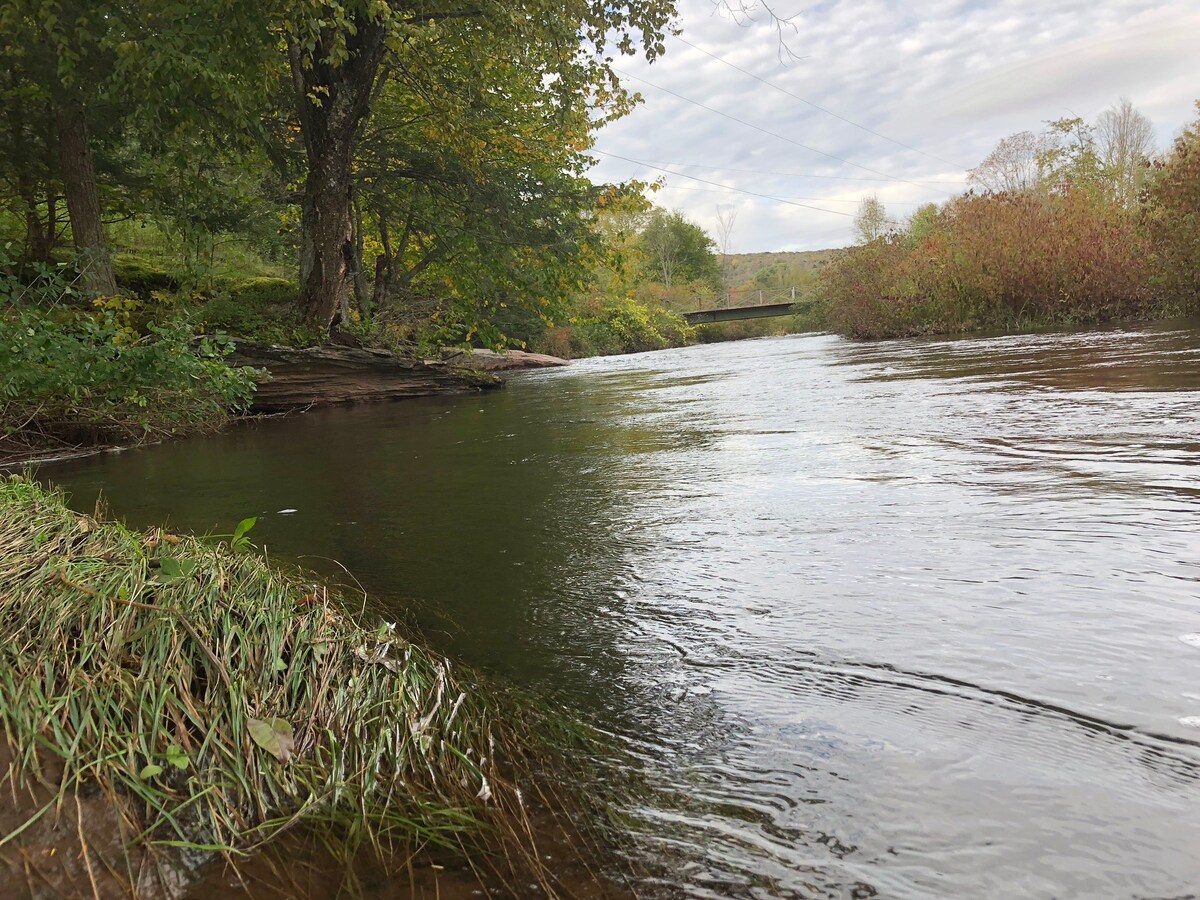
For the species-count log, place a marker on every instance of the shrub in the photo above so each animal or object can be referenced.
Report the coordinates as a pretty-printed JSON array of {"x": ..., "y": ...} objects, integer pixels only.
[
  {"x": 1172, "y": 220},
  {"x": 623, "y": 325},
  {"x": 995, "y": 261},
  {"x": 81, "y": 377}
]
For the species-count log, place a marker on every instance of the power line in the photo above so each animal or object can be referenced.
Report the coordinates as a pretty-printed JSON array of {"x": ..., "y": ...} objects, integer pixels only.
[
  {"x": 680, "y": 187},
  {"x": 728, "y": 187},
  {"x": 766, "y": 131},
  {"x": 817, "y": 107},
  {"x": 793, "y": 174}
]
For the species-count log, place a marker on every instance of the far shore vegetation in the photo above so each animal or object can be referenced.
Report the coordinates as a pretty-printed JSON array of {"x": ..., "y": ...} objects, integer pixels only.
[{"x": 1081, "y": 224}]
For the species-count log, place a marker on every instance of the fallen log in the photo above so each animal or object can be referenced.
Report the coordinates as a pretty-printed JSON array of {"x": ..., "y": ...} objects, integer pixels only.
[{"x": 326, "y": 375}]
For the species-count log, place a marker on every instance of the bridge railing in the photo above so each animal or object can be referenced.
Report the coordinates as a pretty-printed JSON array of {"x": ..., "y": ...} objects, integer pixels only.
[{"x": 740, "y": 298}]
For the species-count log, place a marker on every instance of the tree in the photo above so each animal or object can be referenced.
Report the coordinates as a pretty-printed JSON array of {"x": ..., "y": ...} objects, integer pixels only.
[
  {"x": 726, "y": 218},
  {"x": 30, "y": 190},
  {"x": 102, "y": 91},
  {"x": 470, "y": 184},
  {"x": 1125, "y": 141},
  {"x": 336, "y": 53},
  {"x": 922, "y": 222},
  {"x": 1014, "y": 166},
  {"x": 871, "y": 221},
  {"x": 1070, "y": 159},
  {"x": 62, "y": 50},
  {"x": 678, "y": 250},
  {"x": 1172, "y": 217}
]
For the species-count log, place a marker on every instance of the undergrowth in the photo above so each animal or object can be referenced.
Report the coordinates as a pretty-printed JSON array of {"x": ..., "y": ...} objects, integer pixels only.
[{"x": 76, "y": 370}]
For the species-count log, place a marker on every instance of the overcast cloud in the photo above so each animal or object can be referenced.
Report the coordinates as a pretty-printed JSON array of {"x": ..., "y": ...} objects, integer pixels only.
[{"x": 949, "y": 77}]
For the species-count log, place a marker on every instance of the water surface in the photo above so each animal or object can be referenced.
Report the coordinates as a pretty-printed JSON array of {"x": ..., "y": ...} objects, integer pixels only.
[{"x": 907, "y": 619}]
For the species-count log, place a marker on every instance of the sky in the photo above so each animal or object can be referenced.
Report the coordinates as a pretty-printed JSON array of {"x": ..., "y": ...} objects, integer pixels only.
[{"x": 924, "y": 90}]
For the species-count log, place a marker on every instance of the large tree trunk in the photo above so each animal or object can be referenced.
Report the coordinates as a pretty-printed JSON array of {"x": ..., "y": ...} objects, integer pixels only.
[
  {"x": 332, "y": 103},
  {"x": 329, "y": 237},
  {"x": 83, "y": 197}
]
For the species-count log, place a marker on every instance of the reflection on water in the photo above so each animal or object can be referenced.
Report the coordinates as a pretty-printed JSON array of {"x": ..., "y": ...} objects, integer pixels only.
[{"x": 906, "y": 619}]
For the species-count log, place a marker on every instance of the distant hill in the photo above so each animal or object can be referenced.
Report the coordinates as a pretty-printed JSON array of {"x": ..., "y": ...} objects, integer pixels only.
[{"x": 744, "y": 267}]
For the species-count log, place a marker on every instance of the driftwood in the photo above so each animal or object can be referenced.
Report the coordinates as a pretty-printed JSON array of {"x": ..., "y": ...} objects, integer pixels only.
[{"x": 319, "y": 376}]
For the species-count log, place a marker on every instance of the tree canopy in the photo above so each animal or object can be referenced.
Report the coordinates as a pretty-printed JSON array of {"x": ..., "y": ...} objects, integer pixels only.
[{"x": 432, "y": 149}]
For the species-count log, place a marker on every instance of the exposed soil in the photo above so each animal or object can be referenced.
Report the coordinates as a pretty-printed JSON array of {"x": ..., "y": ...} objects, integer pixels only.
[{"x": 74, "y": 842}]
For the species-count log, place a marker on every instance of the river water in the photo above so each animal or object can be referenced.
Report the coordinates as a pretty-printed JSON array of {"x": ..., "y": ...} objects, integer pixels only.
[{"x": 906, "y": 619}]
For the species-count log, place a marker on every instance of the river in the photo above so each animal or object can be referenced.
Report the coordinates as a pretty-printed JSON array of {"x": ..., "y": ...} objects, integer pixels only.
[{"x": 907, "y": 619}]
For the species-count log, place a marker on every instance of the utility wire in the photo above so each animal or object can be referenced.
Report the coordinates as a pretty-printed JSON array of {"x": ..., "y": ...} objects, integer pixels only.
[
  {"x": 728, "y": 187},
  {"x": 765, "y": 131},
  {"x": 681, "y": 187},
  {"x": 827, "y": 112},
  {"x": 792, "y": 174}
]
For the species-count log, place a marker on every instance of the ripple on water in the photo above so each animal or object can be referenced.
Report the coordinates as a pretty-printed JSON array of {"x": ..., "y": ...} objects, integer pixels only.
[{"x": 906, "y": 619}]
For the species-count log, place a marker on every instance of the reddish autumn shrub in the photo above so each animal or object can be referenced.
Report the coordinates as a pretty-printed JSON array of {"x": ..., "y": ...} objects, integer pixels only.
[
  {"x": 995, "y": 261},
  {"x": 1171, "y": 215}
]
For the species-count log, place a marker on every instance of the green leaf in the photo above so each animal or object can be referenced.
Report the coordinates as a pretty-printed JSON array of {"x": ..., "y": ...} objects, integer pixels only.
[
  {"x": 176, "y": 568},
  {"x": 275, "y": 736},
  {"x": 177, "y": 757},
  {"x": 244, "y": 526},
  {"x": 149, "y": 771},
  {"x": 278, "y": 665}
]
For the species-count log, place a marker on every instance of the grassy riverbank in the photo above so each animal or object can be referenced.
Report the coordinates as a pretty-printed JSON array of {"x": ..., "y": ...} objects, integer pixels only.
[{"x": 166, "y": 699}]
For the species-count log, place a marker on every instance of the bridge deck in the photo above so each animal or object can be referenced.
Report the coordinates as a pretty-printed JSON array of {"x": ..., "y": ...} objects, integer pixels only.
[{"x": 734, "y": 313}]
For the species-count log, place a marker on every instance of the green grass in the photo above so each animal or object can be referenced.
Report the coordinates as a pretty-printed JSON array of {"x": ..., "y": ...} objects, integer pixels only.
[{"x": 142, "y": 666}]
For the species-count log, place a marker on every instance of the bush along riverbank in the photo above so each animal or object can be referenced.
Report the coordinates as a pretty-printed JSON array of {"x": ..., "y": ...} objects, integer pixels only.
[
  {"x": 166, "y": 700},
  {"x": 79, "y": 372},
  {"x": 1074, "y": 240}
]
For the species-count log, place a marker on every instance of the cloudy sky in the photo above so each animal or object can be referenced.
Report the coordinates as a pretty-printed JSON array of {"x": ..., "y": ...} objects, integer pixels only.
[{"x": 947, "y": 78}]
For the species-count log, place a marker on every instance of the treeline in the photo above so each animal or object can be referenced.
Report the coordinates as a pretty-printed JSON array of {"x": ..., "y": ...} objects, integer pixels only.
[
  {"x": 1082, "y": 223},
  {"x": 399, "y": 170},
  {"x": 652, "y": 265},
  {"x": 384, "y": 149}
]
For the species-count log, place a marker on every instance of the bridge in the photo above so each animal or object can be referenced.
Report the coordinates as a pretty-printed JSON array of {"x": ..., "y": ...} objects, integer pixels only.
[{"x": 746, "y": 304}]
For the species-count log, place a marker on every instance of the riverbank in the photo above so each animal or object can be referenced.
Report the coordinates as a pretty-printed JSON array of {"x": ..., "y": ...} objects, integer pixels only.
[
  {"x": 269, "y": 379},
  {"x": 168, "y": 701}
]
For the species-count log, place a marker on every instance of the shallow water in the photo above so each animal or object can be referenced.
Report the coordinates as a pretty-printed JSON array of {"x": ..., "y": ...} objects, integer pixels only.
[{"x": 905, "y": 619}]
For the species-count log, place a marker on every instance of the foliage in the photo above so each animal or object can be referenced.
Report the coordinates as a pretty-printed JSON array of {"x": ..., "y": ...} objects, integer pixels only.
[
  {"x": 1058, "y": 239},
  {"x": 742, "y": 330},
  {"x": 83, "y": 378},
  {"x": 1070, "y": 158},
  {"x": 676, "y": 250},
  {"x": 607, "y": 326},
  {"x": 996, "y": 261},
  {"x": 648, "y": 265},
  {"x": 445, "y": 145},
  {"x": 110, "y": 370},
  {"x": 871, "y": 220},
  {"x": 1171, "y": 216}
]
